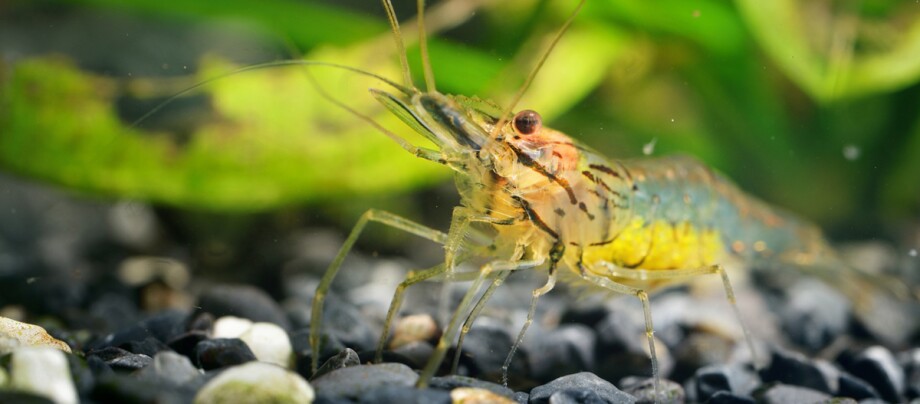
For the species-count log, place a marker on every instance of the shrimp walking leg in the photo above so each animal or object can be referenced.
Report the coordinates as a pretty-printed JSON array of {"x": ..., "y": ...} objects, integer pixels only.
[
  {"x": 372, "y": 215},
  {"x": 488, "y": 272},
  {"x": 647, "y": 311},
  {"x": 411, "y": 279},
  {"x": 684, "y": 273},
  {"x": 468, "y": 323},
  {"x": 550, "y": 284}
]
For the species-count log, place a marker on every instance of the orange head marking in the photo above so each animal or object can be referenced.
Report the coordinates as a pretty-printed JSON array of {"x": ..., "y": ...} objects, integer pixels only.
[{"x": 553, "y": 150}]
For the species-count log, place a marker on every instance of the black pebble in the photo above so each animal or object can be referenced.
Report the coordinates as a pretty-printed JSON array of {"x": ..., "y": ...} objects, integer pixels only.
[
  {"x": 185, "y": 343},
  {"x": 243, "y": 301},
  {"x": 222, "y": 352},
  {"x": 724, "y": 397},
  {"x": 120, "y": 359},
  {"x": 163, "y": 326},
  {"x": 795, "y": 369},
  {"x": 148, "y": 346},
  {"x": 877, "y": 366}
]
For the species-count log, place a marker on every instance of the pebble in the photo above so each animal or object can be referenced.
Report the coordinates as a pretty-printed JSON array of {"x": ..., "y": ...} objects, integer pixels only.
[
  {"x": 414, "y": 328},
  {"x": 487, "y": 346},
  {"x": 623, "y": 346},
  {"x": 148, "y": 346},
  {"x": 172, "y": 368},
  {"x": 643, "y": 388},
  {"x": 567, "y": 349},
  {"x": 877, "y": 366},
  {"x": 795, "y": 369},
  {"x": 243, "y": 301},
  {"x": 736, "y": 379},
  {"x": 347, "y": 324},
  {"x": 19, "y": 397},
  {"x": 814, "y": 314},
  {"x": 354, "y": 382},
  {"x": 269, "y": 343},
  {"x": 405, "y": 395},
  {"x": 120, "y": 359},
  {"x": 15, "y": 334},
  {"x": 472, "y": 395},
  {"x": 230, "y": 327},
  {"x": 453, "y": 382},
  {"x": 256, "y": 382},
  {"x": 344, "y": 359},
  {"x": 910, "y": 361},
  {"x": 164, "y": 326},
  {"x": 43, "y": 371},
  {"x": 854, "y": 387},
  {"x": 724, "y": 397},
  {"x": 580, "y": 384},
  {"x": 784, "y": 394},
  {"x": 222, "y": 352}
]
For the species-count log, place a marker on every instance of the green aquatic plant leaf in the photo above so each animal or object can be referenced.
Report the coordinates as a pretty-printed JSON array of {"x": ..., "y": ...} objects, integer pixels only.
[
  {"x": 835, "y": 51},
  {"x": 269, "y": 141}
]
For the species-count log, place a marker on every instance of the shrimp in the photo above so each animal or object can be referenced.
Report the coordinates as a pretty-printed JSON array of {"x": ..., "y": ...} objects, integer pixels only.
[{"x": 551, "y": 203}]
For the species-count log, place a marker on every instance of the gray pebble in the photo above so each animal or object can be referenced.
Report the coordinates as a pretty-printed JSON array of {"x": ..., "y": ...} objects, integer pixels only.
[
  {"x": 344, "y": 359},
  {"x": 644, "y": 390},
  {"x": 405, "y": 395},
  {"x": 785, "y": 394},
  {"x": 565, "y": 350},
  {"x": 584, "y": 381},
  {"x": 355, "y": 381},
  {"x": 814, "y": 314}
]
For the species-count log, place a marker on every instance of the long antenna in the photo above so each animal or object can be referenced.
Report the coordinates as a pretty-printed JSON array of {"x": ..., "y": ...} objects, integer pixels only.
[
  {"x": 259, "y": 66},
  {"x": 400, "y": 46},
  {"x": 503, "y": 119},
  {"x": 423, "y": 46}
]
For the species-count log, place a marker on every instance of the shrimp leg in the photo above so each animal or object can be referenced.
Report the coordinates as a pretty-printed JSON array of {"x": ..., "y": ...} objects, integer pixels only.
[
  {"x": 646, "y": 309},
  {"x": 489, "y": 272},
  {"x": 683, "y": 273},
  {"x": 550, "y": 283},
  {"x": 372, "y": 215},
  {"x": 468, "y": 323}
]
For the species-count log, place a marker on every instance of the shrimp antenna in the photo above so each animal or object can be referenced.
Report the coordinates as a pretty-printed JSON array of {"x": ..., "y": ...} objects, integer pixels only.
[
  {"x": 423, "y": 46},
  {"x": 503, "y": 119},
  {"x": 400, "y": 46},
  {"x": 160, "y": 106}
]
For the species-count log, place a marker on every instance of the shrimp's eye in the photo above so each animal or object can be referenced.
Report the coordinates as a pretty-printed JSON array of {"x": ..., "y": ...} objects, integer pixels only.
[{"x": 527, "y": 122}]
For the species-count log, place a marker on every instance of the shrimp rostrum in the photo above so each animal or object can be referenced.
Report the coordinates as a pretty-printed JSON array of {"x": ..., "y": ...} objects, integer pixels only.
[{"x": 555, "y": 205}]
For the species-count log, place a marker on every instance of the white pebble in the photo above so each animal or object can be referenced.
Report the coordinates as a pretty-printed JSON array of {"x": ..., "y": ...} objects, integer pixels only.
[
  {"x": 230, "y": 327},
  {"x": 269, "y": 343},
  {"x": 912, "y": 252},
  {"x": 43, "y": 371},
  {"x": 15, "y": 334},
  {"x": 256, "y": 382}
]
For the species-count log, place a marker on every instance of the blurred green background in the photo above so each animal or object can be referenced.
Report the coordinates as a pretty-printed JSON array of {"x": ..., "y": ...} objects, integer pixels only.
[{"x": 810, "y": 105}]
